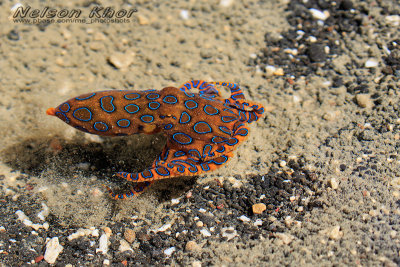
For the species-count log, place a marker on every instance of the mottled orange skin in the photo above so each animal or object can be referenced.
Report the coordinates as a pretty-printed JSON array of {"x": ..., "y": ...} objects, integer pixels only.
[{"x": 202, "y": 129}]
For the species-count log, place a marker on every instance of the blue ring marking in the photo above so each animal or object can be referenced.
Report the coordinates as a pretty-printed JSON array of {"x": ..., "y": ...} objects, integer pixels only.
[
  {"x": 229, "y": 110},
  {"x": 174, "y": 137},
  {"x": 205, "y": 167},
  {"x": 220, "y": 163},
  {"x": 168, "y": 126},
  {"x": 69, "y": 107},
  {"x": 222, "y": 149},
  {"x": 242, "y": 115},
  {"x": 187, "y": 163},
  {"x": 73, "y": 114},
  {"x": 223, "y": 139},
  {"x": 195, "y": 83},
  {"x": 194, "y": 153},
  {"x": 170, "y": 102},
  {"x": 242, "y": 134},
  {"x": 179, "y": 153},
  {"x": 84, "y": 98},
  {"x": 203, "y": 123},
  {"x": 134, "y": 176},
  {"x": 207, "y": 151},
  {"x": 225, "y": 130},
  {"x": 149, "y": 90},
  {"x": 95, "y": 125},
  {"x": 120, "y": 196},
  {"x": 147, "y": 177},
  {"x": 188, "y": 94},
  {"x": 121, "y": 120},
  {"x": 132, "y": 112},
  {"x": 81, "y": 129},
  {"x": 158, "y": 105},
  {"x": 185, "y": 119},
  {"x": 152, "y": 96},
  {"x": 233, "y": 138},
  {"x": 147, "y": 116},
  {"x": 213, "y": 113},
  {"x": 191, "y": 101},
  {"x": 168, "y": 173},
  {"x": 166, "y": 155},
  {"x": 66, "y": 120},
  {"x": 111, "y": 102},
  {"x": 132, "y": 96},
  {"x": 227, "y": 119}
]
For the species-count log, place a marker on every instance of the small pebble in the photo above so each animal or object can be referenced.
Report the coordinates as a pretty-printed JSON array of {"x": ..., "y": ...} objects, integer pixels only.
[
  {"x": 317, "y": 14},
  {"x": 333, "y": 183},
  {"x": 129, "y": 235},
  {"x": 225, "y": 3},
  {"x": 364, "y": 101},
  {"x": 335, "y": 233},
  {"x": 285, "y": 238},
  {"x": 103, "y": 244},
  {"x": 244, "y": 218},
  {"x": 164, "y": 227},
  {"x": 259, "y": 208},
  {"x": 121, "y": 60},
  {"x": 393, "y": 20},
  {"x": 107, "y": 231},
  {"x": 371, "y": 63},
  {"x": 184, "y": 14},
  {"x": 229, "y": 233},
  {"x": 191, "y": 246},
  {"x": 169, "y": 251},
  {"x": 199, "y": 224},
  {"x": 124, "y": 246},
  {"x": 53, "y": 249},
  {"x": 205, "y": 232},
  {"x": 279, "y": 72}
]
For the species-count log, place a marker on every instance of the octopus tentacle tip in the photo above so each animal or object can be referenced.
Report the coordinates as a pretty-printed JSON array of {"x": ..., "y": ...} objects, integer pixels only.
[{"x": 51, "y": 111}]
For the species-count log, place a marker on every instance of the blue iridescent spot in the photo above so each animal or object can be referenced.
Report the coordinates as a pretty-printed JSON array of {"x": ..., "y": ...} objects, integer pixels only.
[
  {"x": 147, "y": 177},
  {"x": 123, "y": 123},
  {"x": 65, "y": 107},
  {"x": 191, "y": 104},
  {"x": 132, "y": 108},
  {"x": 62, "y": 116},
  {"x": 154, "y": 105},
  {"x": 132, "y": 96},
  {"x": 147, "y": 118},
  {"x": 228, "y": 118},
  {"x": 185, "y": 118},
  {"x": 106, "y": 103},
  {"x": 179, "y": 153},
  {"x": 83, "y": 97},
  {"x": 100, "y": 126},
  {"x": 188, "y": 94},
  {"x": 164, "y": 171},
  {"x": 170, "y": 99},
  {"x": 152, "y": 96},
  {"x": 202, "y": 127},
  {"x": 82, "y": 114},
  {"x": 168, "y": 126},
  {"x": 210, "y": 110},
  {"x": 182, "y": 138},
  {"x": 225, "y": 130}
]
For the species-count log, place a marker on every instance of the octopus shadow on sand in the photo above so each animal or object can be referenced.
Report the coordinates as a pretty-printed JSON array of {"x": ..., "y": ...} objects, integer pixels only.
[{"x": 57, "y": 160}]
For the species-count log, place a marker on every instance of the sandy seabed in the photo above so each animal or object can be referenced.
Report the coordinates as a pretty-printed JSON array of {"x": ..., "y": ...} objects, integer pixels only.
[{"x": 347, "y": 135}]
